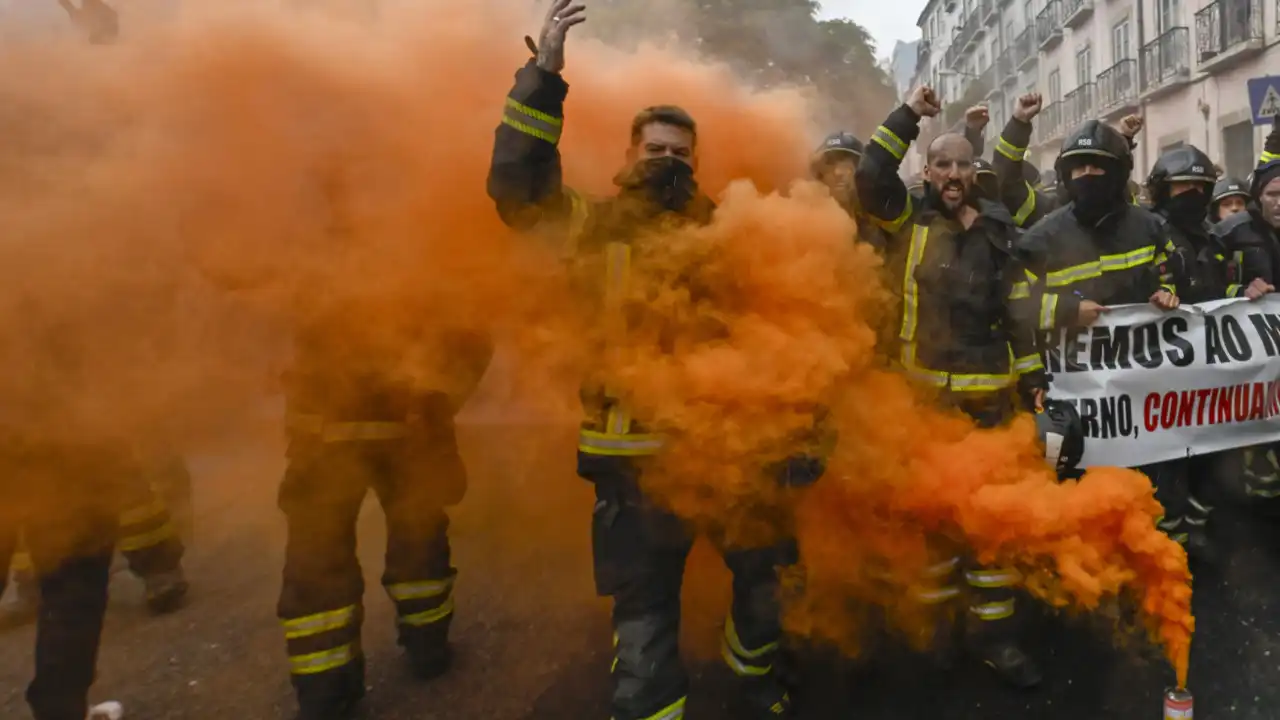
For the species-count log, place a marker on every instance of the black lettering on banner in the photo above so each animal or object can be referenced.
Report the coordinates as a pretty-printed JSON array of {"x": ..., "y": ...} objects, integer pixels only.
[
  {"x": 1213, "y": 352},
  {"x": 1146, "y": 346},
  {"x": 1235, "y": 341},
  {"x": 1074, "y": 348},
  {"x": 1089, "y": 416},
  {"x": 1109, "y": 348},
  {"x": 1106, "y": 418},
  {"x": 1181, "y": 354},
  {"x": 1268, "y": 327}
]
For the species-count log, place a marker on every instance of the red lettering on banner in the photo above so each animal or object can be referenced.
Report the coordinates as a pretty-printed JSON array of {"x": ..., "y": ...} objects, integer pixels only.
[
  {"x": 1150, "y": 412},
  {"x": 1232, "y": 403},
  {"x": 1168, "y": 410}
]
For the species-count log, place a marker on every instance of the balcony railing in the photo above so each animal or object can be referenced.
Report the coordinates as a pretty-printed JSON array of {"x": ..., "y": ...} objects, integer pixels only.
[
  {"x": 968, "y": 32},
  {"x": 1049, "y": 122},
  {"x": 1227, "y": 25},
  {"x": 990, "y": 12},
  {"x": 1049, "y": 25},
  {"x": 1078, "y": 105},
  {"x": 1117, "y": 86},
  {"x": 989, "y": 80},
  {"x": 1006, "y": 72},
  {"x": 1166, "y": 59},
  {"x": 1075, "y": 12},
  {"x": 1024, "y": 49}
]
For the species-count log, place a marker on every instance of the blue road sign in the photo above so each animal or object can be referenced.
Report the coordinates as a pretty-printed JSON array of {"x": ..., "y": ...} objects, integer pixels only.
[{"x": 1264, "y": 99}]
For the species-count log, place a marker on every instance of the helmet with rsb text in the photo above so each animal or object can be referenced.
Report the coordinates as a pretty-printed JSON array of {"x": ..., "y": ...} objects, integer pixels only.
[{"x": 1061, "y": 432}]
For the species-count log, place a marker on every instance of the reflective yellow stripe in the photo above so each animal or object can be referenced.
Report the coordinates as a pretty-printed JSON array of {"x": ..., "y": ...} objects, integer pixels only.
[
  {"x": 1027, "y": 363},
  {"x": 1048, "y": 309},
  {"x": 910, "y": 288},
  {"x": 740, "y": 668},
  {"x": 579, "y": 213},
  {"x": 956, "y": 382},
  {"x": 1011, "y": 151},
  {"x": 419, "y": 589},
  {"x": 321, "y": 661},
  {"x": 345, "y": 431},
  {"x": 631, "y": 445},
  {"x": 146, "y": 539},
  {"x": 1267, "y": 157},
  {"x": 1106, "y": 263},
  {"x": 1020, "y": 291},
  {"x": 532, "y": 122},
  {"x": 20, "y": 561},
  {"x": 992, "y": 578},
  {"x": 939, "y": 595},
  {"x": 994, "y": 610},
  {"x": 896, "y": 224},
  {"x": 735, "y": 643},
  {"x": 941, "y": 569},
  {"x": 139, "y": 515},
  {"x": 1233, "y": 290},
  {"x": 674, "y": 711},
  {"x": 1028, "y": 206},
  {"x": 885, "y": 138},
  {"x": 427, "y": 617},
  {"x": 319, "y": 623}
]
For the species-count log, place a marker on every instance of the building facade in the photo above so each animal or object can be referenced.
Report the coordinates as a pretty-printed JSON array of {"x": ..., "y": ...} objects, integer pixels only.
[{"x": 1180, "y": 64}]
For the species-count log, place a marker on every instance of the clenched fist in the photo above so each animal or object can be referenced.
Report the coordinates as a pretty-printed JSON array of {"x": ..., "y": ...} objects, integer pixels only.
[
  {"x": 1028, "y": 106},
  {"x": 977, "y": 117},
  {"x": 1130, "y": 126},
  {"x": 924, "y": 102}
]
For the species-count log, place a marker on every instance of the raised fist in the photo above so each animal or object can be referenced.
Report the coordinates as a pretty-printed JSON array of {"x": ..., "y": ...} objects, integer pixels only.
[
  {"x": 1028, "y": 106},
  {"x": 924, "y": 102}
]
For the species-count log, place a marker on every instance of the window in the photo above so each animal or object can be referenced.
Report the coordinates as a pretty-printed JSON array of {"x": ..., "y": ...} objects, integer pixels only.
[
  {"x": 1084, "y": 66},
  {"x": 1029, "y": 12},
  {"x": 1167, "y": 15},
  {"x": 1120, "y": 41},
  {"x": 1237, "y": 143},
  {"x": 1009, "y": 34},
  {"x": 1055, "y": 86},
  {"x": 982, "y": 59}
]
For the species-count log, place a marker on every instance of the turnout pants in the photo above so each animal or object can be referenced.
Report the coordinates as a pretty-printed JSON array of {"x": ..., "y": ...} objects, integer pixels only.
[
  {"x": 331, "y": 467},
  {"x": 1174, "y": 493},
  {"x": 639, "y": 559},
  {"x": 62, "y": 502}
]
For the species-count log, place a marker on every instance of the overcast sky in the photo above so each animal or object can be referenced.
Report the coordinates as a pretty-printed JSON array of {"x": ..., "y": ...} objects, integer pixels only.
[{"x": 888, "y": 21}]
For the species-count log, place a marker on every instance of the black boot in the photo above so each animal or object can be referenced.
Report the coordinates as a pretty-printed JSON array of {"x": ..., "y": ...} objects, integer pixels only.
[
  {"x": 331, "y": 695},
  {"x": 428, "y": 649},
  {"x": 1013, "y": 666},
  {"x": 764, "y": 698},
  {"x": 166, "y": 592}
]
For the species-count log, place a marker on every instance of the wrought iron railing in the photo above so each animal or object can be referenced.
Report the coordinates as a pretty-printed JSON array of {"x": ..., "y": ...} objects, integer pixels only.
[
  {"x": 1078, "y": 105},
  {"x": 1165, "y": 58},
  {"x": 1226, "y": 24},
  {"x": 1117, "y": 85},
  {"x": 1049, "y": 22},
  {"x": 1024, "y": 46},
  {"x": 1071, "y": 7}
]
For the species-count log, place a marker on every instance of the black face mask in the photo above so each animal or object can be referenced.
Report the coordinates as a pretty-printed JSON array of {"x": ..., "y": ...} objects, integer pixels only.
[
  {"x": 1094, "y": 197},
  {"x": 1187, "y": 210},
  {"x": 666, "y": 181}
]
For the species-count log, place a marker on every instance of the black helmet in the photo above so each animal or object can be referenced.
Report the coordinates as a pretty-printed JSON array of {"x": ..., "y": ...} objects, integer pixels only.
[
  {"x": 1227, "y": 187},
  {"x": 1262, "y": 177},
  {"x": 1094, "y": 139},
  {"x": 837, "y": 142},
  {"x": 983, "y": 167},
  {"x": 1181, "y": 164},
  {"x": 1061, "y": 433}
]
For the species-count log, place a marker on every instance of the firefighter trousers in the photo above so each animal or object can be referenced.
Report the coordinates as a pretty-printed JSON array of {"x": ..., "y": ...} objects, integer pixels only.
[
  {"x": 320, "y": 606},
  {"x": 639, "y": 556},
  {"x": 66, "y": 511},
  {"x": 1173, "y": 491}
]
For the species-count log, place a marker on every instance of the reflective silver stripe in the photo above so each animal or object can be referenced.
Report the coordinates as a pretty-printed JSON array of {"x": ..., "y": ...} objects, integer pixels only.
[
  {"x": 994, "y": 610},
  {"x": 419, "y": 589},
  {"x": 605, "y": 444},
  {"x": 735, "y": 643},
  {"x": 1020, "y": 291},
  {"x": 1106, "y": 263},
  {"x": 532, "y": 122},
  {"x": 1009, "y": 150},
  {"x": 427, "y": 617},
  {"x": 992, "y": 578},
  {"x": 1027, "y": 364},
  {"x": 738, "y": 666},
  {"x": 941, "y": 569},
  {"x": 318, "y": 623},
  {"x": 1206, "y": 509},
  {"x": 1048, "y": 308},
  {"x": 887, "y": 139},
  {"x": 322, "y": 661},
  {"x": 936, "y": 596}
]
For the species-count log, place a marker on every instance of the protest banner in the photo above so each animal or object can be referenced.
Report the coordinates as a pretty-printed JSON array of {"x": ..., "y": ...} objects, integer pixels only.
[{"x": 1152, "y": 385}]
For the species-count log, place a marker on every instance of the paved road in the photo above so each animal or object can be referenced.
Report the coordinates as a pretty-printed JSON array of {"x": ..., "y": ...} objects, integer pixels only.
[{"x": 533, "y": 640}]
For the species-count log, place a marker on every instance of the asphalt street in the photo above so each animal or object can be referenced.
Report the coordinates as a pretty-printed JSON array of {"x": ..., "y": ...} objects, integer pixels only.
[{"x": 533, "y": 640}]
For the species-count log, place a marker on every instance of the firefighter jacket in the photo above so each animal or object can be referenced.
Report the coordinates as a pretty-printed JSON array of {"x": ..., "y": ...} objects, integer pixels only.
[
  {"x": 596, "y": 236},
  {"x": 1212, "y": 273},
  {"x": 1125, "y": 259},
  {"x": 1271, "y": 146},
  {"x": 955, "y": 330},
  {"x": 1027, "y": 204},
  {"x": 1252, "y": 245}
]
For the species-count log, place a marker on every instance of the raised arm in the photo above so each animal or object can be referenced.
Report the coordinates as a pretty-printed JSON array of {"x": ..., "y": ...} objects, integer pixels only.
[
  {"x": 525, "y": 179},
  {"x": 1022, "y": 200},
  {"x": 881, "y": 191},
  {"x": 1271, "y": 146}
]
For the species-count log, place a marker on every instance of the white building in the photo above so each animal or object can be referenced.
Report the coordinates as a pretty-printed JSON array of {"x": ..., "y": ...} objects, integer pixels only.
[{"x": 1181, "y": 64}]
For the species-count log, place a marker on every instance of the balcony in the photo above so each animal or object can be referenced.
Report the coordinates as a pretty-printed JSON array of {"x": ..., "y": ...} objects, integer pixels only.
[
  {"x": 989, "y": 80},
  {"x": 1228, "y": 31},
  {"x": 990, "y": 12},
  {"x": 1005, "y": 70},
  {"x": 1117, "y": 89},
  {"x": 1078, "y": 106},
  {"x": 1049, "y": 25},
  {"x": 922, "y": 54},
  {"x": 1025, "y": 54},
  {"x": 1076, "y": 12},
  {"x": 1049, "y": 123},
  {"x": 967, "y": 35},
  {"x": 1165, "y": 63}
]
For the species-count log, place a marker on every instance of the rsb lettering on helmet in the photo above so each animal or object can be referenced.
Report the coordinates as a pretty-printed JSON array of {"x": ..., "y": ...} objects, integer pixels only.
[
  {"x": 1197, "y": 169},
  {"x": 1084, "y": 142}
]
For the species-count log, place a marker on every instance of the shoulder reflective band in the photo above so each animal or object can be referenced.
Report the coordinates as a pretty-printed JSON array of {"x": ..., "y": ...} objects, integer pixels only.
[
  {"x": 910, "y": 289},
  {"x": 885, "y": 138},
  {"x": 532, "y": 122},
  {"x": 1027, "y": 363},
  {"x": 1106, "y": 263},
  {"x": 1028, "y": 206},
  {"x": 1267, "y": 157},
  {"x": 1011, "y": 151}
]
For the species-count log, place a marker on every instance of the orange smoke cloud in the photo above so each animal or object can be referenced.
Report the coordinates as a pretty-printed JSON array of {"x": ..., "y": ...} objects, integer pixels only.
[{"x": 179, "y": 203}]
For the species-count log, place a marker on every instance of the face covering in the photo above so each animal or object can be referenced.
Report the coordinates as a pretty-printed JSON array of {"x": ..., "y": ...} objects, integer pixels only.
[
  {"x": 1187, "y": 210},
  {"x": 987, "y": 187},
  {"x": 666, "y": 181},
  {"x": 1094, "y": 197}
]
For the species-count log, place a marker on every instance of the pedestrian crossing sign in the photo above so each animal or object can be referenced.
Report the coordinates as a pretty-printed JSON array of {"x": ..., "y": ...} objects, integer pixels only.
[{"x": 1264, "y": 99}]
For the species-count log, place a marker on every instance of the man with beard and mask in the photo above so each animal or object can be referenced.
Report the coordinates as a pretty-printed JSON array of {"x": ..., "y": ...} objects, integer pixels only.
[
  {"x": 639, "y": 548},
  {"x": 952, "y": 255},
  {"x": 834, "y": 164},
  {"x": 1099, "y": 250}
]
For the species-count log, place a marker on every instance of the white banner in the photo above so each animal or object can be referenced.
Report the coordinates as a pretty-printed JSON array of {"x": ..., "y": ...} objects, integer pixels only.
[{"x": 1153, "y": 385}]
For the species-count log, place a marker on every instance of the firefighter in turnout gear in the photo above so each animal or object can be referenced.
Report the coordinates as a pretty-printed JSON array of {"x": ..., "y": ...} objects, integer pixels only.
[
  {"x": 953, "y": 255},
  {"x": 834, "y": 164},
  {"x": 1018, "y": 194},
  {"x": 639, "y": 549},
  {"x": 1230, "y": 196},
  {"x": 1099, "y": 250}
]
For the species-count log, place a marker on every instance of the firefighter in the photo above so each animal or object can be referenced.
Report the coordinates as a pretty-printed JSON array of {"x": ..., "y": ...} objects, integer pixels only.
[
  {"x": 639, "y": 549},
  {"x": 834, "y": 164},
  {"x": 1100, "y": 250},
  {"x": 954, "y": 256},
  {"x": 64, "y": 501},
  {"x": 1230, "y": 196}
]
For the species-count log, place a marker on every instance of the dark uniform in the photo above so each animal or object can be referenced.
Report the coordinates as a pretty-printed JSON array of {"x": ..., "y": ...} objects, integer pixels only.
[
  {"x": 1226, "y": 188},
  {"x": 835, "y": 146},
  {"x": 355, "y": 423},
  {"x": 1017, "y": 192},
  {"x": 1101, "y": 247},
  {"x": 65, "y": 501},
  {"x": 639, "y": 549},
  {"x": 956, "y": 335}
]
